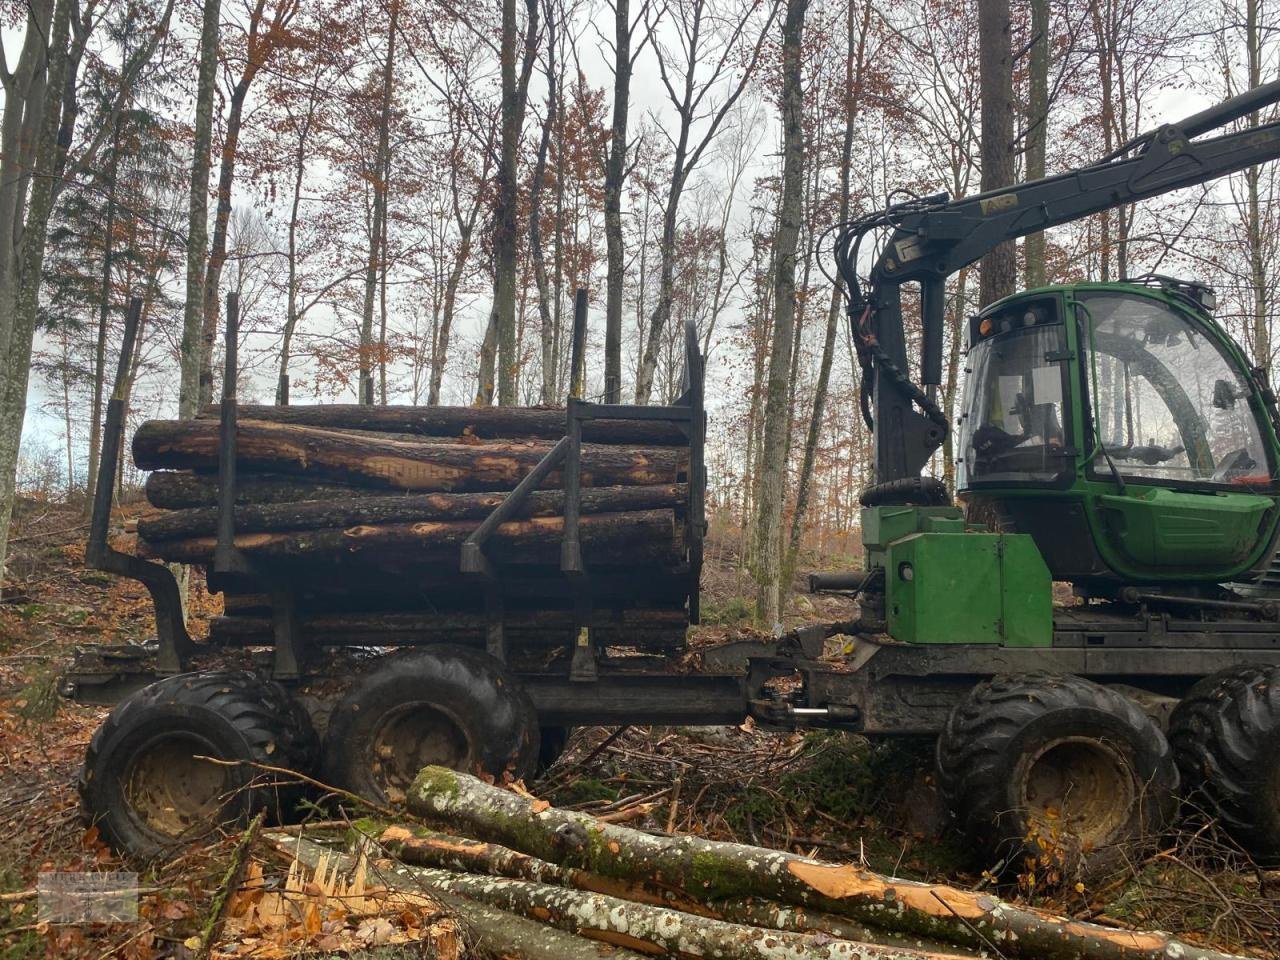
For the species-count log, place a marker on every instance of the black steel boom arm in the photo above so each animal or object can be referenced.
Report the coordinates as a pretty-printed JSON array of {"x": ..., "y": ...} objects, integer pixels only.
[{"x": 934, "y": 237}]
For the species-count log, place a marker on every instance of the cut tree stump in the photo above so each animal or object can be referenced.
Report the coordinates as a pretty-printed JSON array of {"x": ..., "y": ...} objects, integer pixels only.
[{"x": 710, "y": 870}]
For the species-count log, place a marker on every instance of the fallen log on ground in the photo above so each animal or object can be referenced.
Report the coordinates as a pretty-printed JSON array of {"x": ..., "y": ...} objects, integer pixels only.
[
  {"x": 378, "y": 461},
  {"x": 339, "y": 511},
  {"x": 711, "y": 870},
  {"x": 428, "y": 848},
  {"x": 641, "y": 927},
  {"x": 462, "y": 422}
]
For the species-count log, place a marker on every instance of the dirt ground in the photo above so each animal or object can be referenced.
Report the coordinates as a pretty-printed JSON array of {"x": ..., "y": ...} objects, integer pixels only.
[{"x": 829, "y": 795}]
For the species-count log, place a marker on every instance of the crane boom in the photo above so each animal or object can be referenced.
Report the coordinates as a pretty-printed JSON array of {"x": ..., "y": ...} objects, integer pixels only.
[{"x": 934, "y": 237}]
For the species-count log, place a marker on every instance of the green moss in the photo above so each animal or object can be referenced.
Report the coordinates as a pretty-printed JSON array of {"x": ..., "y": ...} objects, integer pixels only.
[
  {"x": 709, "y": 876},
  {"x": 362, "y": 828},
  {"x": 435, "y": 781},
  {"x": 835, "y": 775}
]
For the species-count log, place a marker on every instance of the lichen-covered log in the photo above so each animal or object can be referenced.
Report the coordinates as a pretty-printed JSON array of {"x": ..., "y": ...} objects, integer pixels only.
[
  {"x": 711, "y": 870},
  {"x": 646, "y": 928},
  {"x": 341, "y": 511},
  {"x": 427, "y": 848},
  {"x": 391, "y": 464},
  {"x": 462, "y": 422},
  {"x": 491, "y": 932},
  {"x": 643, "y": 536}
]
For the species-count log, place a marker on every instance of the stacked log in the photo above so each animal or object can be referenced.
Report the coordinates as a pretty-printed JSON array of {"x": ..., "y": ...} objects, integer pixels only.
[
  {"x": 365, "y": 510},
  {"x": 511, "y": 859}
]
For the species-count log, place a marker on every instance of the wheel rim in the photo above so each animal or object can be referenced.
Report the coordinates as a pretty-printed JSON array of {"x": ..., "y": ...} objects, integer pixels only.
[
  {"x": 1080, "y": 788},
  {"x": 170, "y": 792},
  {"x": 412, "y": 737}
]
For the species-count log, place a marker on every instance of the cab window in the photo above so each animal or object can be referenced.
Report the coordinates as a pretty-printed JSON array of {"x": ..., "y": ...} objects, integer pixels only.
[
  {"x": 1169, "y": 404},
  {"x": 1014, "y": 426}
]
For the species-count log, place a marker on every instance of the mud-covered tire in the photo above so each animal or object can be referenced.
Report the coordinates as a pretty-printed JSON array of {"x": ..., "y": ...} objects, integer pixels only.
[
  {"x": 142, "y": 786},
  {"x": 1226, "y": 737},
  {"x": 1055, "y": 775},
  {"x": 443, "y": 705}
]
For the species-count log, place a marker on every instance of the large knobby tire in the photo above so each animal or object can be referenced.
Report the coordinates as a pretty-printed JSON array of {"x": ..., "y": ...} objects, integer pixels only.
[
  {"x": 1055, "y": 776},
  {"x": 142, "y": 785},
  {"x": 442, "y": 705},
  {"x": 1226, "y": 737}
]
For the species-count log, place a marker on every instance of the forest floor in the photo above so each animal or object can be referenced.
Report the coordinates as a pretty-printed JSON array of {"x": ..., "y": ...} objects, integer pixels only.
[{"x": 829, "y": 795}]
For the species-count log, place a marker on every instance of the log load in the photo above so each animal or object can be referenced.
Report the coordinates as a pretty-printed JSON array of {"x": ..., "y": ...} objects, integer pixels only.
[{"x": 361, "y": 512}]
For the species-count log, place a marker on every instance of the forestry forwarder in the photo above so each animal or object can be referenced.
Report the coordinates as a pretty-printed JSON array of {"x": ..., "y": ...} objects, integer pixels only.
[{"x": 1113, "y": 436}]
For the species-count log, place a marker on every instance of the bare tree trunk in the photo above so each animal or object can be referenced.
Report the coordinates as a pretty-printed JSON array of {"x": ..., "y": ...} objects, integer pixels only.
[
  {"x": 382, "y": 303},
  {"x": 1037, "y": 121},
  {"x": 291, "y": 303},
  {"x": 777, "y": 413},
  {"x": 1253, "y": 214},
  {"x": 614, "y": 173},
  {"x": 488, "y": 360},
  {"x": 505, "y": 238},
  {"x": 20, "y": 323},
  {"x": 104, "y": 311},
  {"x": 1107, "y": 118},
  {"x": 547, "y": 332},
  {"x": 853, "y": 76},
  {"x": 382, "y": 163},
  {"x": 221, "y": 220},
  {"x": 999, "y": 267},
  {"x": 953, "y": 377},
  {"x": 190, "y": 357}
]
